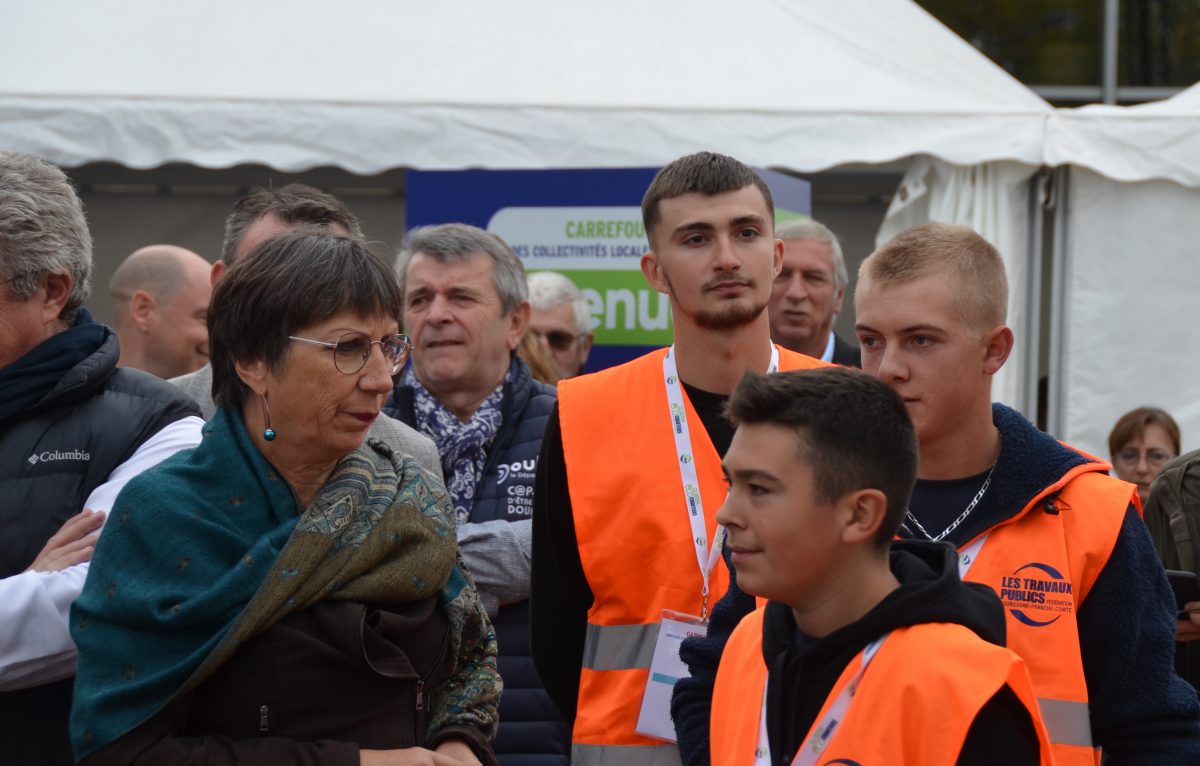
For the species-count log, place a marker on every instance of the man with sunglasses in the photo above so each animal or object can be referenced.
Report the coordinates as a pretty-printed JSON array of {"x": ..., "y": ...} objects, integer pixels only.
[
  {"x": 259, "y": 216},
  {"x": 466, "y": 308},
  {"x": 561, "y": 321}
]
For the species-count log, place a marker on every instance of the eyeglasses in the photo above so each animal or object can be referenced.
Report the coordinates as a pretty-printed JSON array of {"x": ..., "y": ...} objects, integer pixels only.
[
  {"x": 351, "y": 351},
  {"x": 1129, "y": 458},
  {"x": 559, "y": 340}
]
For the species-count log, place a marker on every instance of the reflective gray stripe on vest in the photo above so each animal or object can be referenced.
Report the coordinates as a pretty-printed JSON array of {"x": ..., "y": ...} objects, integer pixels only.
[
  {"x": 1067, "y": 723},
  {"x": 619, "y": 647},
  {"x": 624, "y": 755}
]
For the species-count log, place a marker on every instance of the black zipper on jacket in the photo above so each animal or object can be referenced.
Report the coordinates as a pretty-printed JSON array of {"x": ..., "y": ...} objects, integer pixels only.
[{"x": 419, "y": 709}]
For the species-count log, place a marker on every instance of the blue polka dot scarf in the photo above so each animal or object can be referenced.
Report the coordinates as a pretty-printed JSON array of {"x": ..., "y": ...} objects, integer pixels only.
[{"x": 463, "y": 446}]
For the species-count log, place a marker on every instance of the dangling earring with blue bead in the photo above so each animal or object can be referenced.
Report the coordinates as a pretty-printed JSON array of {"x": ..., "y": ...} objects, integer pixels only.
[{"x": 268, "y": 432}]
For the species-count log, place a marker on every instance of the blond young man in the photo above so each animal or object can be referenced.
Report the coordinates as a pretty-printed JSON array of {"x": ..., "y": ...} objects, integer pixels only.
[{"x": 1060, "y": 541}]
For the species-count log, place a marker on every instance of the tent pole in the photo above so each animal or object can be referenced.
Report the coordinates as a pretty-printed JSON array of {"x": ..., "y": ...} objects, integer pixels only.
[
  {"x": 1059, "y": 284},
  {"x": 1032, "y": 334},
  {"x": 1108, "y": 74}
]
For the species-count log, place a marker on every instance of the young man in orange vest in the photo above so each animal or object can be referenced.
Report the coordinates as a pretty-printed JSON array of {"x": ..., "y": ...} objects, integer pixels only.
[
  {"x": 629, "y": 477},
  {"x": 1088, "y": 606},
  {"x": 865, "y": 652}
]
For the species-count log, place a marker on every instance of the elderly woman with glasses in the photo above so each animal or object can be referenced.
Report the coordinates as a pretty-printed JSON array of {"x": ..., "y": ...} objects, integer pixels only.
[
  {"x": 285, "y": 592},
  {"x": 1141, "y": 443}
]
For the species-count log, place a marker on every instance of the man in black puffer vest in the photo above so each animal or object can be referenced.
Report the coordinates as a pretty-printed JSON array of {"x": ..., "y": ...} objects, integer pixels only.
[
  {"x": 73, "y": 430},
  {"x": 466, "y": 307}
]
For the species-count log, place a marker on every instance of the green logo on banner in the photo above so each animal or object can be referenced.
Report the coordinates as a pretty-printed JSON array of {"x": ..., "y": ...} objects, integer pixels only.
[{"x": 626, "y": 310}]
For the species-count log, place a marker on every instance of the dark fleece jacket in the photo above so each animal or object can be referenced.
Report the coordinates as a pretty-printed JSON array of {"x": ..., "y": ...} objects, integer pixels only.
[
  {"x": 1142, "y": 712},
  {"x": 803, "y": 670}
]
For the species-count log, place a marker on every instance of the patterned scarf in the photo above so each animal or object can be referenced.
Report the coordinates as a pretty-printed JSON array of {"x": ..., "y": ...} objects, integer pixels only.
[
  {"x": 208, "y": 549},
  {"x": 462, "y": 446}
]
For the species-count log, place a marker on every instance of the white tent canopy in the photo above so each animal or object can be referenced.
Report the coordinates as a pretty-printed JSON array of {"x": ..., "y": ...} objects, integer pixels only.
[
  {"x": 371, "y": 85},
  {"x": 1132, "y": 270},
  {"x": 1156, "y": 141}
]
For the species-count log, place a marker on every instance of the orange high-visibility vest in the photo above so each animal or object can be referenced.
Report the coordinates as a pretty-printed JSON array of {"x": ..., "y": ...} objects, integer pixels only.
[
  {"x": 914, "y": 706},
  {"x": 1042, "y": 563},
  {"x": 635, "y": 541}
]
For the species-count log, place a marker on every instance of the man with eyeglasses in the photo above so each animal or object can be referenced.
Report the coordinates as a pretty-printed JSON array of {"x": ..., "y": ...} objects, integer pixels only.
[
  {"x": 260, "y": 215},
  {"x": 561, "y": 321},
  {"x": 466, "y": 308}
]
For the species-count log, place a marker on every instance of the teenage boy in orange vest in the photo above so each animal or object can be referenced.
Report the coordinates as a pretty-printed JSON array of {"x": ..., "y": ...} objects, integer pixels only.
[
  {"x": 866, "y": 652},
  {"x": 1088, "y": 606},
  {"x": 629, "y": 477}
]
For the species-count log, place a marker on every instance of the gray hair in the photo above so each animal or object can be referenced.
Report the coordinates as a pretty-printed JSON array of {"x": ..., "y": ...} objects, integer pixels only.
[
  {"x": 813, "y": 229},
  {"x": 42, "y": 230},
  {"x": 458, "y": 241},
  {"x": 548, "y": 290}
]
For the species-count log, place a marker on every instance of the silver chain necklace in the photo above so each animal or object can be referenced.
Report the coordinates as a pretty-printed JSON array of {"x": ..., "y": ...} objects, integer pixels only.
[{"x": 961, "y": 518}]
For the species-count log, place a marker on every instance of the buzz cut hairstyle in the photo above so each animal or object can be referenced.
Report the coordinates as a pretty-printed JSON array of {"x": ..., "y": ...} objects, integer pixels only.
[
  {"x": 704, "y": 173},
  {"x": 975, "y": 267},
  {"x": 157, "y": 271},
  {"x": 852, "y": 429}
]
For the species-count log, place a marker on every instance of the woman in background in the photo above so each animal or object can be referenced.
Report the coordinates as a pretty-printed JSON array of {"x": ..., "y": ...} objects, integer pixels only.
[{"x": 1141, "y": 443}]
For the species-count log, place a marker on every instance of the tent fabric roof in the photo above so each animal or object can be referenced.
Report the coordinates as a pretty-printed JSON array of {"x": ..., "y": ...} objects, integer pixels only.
[
  {"x": 378, "y": 84},
  {"x": 1156, "y": 141}
]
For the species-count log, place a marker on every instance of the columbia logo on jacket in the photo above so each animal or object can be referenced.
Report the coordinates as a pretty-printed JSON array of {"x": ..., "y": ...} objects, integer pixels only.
[{"x": 45, "y": 457}]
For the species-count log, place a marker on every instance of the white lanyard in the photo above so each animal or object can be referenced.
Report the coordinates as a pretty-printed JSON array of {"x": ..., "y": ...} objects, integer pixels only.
[
  {"x": 807, "y": 754},
  {"x": 968, "y": 555},
  {"x": 822, "y": 733},
  {"x": 706, "y": 556}
]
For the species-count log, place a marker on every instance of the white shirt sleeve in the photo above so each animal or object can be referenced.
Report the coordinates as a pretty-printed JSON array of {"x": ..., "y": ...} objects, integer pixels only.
[
  {"x": 499, "y": 555},
  {"x": 35, "y": 638}
]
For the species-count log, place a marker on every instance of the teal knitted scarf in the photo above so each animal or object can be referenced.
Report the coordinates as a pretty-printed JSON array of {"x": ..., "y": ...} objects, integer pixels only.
[{"x": 208, "y": 549}]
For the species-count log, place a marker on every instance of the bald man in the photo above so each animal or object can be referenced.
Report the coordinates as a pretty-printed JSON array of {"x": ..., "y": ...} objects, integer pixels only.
[{"x": 160, "y": 302}]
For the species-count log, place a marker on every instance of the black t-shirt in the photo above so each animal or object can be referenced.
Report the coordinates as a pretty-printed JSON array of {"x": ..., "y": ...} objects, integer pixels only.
[
  {"x": 936, "y": 504},
  {"x": 711, "y": 409}
]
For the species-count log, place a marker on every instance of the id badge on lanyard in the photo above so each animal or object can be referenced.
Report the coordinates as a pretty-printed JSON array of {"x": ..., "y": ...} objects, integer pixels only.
[
  {"x": 654, "y": 718},
  {"x": 814, "y": 744}
]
